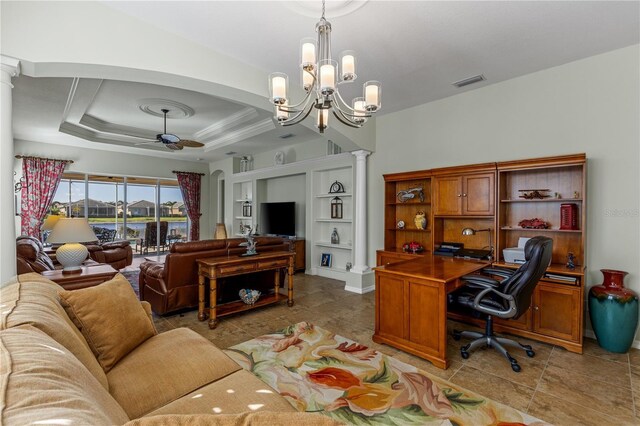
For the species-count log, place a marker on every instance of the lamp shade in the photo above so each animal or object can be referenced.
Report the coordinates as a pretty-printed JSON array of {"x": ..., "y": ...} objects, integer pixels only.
[
  {"x": 71, "y": 230},
  {"x": 469, "y": 231},
  {"x": 50, "y": 222}
]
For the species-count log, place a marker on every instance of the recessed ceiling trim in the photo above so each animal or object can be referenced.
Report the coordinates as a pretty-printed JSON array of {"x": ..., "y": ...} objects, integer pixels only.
[
  {"x": 105, "y": 127},
  {"x": 70, "y": 96},
  {"x": 226, "y": 123},
  {"x": 251, "y": 130}
]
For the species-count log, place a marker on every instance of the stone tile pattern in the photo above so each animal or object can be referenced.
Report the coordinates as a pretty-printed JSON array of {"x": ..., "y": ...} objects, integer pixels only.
[{"x": 560, "y": 387}]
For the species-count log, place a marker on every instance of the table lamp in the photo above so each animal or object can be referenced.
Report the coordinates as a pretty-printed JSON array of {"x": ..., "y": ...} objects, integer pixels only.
[
  {"x": 49, "y": 223},
  {"x": 71, "y": 232},
  {"x": 221, "y": 232},
  {"x": 471, "y": 231}
]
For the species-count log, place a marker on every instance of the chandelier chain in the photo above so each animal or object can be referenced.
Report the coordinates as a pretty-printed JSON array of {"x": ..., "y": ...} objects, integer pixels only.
[{"x": 322, "y": 9}]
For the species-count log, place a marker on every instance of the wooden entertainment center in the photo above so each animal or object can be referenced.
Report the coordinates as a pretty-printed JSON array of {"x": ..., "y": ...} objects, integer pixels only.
[{"x": 493, "y": 196}]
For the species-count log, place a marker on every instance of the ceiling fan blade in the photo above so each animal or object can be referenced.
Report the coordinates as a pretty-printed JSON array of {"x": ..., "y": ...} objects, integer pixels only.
[
  {"x": 190, "y": 144},
  {"x": 173, "y": 146},
  {"x": 145, "y": 143}
]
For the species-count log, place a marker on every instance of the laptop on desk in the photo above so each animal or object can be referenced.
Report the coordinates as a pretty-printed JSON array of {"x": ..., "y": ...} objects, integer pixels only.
[{"x": 473, "y": 253}]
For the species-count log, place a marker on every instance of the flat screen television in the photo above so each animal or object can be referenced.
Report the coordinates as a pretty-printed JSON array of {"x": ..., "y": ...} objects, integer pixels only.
[{"x": 278, "y": 218}]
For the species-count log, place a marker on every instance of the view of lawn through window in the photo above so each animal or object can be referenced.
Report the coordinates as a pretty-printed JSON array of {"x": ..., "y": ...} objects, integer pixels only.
[{"x": 150, "y": 213}]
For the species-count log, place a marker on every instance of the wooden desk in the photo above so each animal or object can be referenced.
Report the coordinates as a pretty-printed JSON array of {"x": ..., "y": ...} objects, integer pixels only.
[
  {"x": 86, "y": 277},
  {"x": 411, "y": 304},
  {"x": 213, "y": 268}
]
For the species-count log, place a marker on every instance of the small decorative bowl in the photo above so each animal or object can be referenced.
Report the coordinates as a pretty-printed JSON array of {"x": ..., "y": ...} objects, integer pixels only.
[{"x": 249, "y": 296}]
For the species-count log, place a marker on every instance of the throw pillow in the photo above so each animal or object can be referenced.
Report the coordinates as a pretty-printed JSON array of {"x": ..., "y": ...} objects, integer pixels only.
[{"x": 110, "y": 318}]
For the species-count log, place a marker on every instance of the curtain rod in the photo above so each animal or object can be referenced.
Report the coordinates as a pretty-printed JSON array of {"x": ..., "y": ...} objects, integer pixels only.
[
  {"x": 188, "y": 173},
  {"x": 43, "y": 158}
]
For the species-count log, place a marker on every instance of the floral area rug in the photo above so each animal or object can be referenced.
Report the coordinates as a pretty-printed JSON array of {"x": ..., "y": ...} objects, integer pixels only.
[{"x": 318, "y": 371}]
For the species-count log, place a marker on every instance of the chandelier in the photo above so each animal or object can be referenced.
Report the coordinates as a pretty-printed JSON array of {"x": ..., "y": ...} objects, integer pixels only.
[{"x": 321, "y": 77}]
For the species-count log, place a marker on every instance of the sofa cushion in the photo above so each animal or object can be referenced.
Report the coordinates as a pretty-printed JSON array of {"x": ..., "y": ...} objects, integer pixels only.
[
  {"x": 235, "y": 393},
  {"x": 165, "y": 368},
  {"x": 41, "y": 382},
  {"x": 110, "y": 318},
  {"x": 242, "y": 419},
  {"x": 33, "y": 299}
]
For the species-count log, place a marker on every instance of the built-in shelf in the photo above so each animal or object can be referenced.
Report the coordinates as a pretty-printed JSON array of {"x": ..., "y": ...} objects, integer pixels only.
[
  {"x": 509, "y": 228},
  {"x": 243, "y": 217},
  {"x": 244, "y": 200},
  {"x": 332, "y": 269},
  {"x": 337, "y": 194},
  {"x": 337, "y": 246},
  {"x": 334, "y": 220},
  {"x": 544, "y": 200}
]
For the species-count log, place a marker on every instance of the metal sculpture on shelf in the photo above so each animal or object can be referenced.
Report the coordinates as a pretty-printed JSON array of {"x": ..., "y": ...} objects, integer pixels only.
[
  {"x": 250, "y": 244},
  {"x": 534, "y": 194},
  {"x": 534, "y": 223},
  {"x": 409, "y": 194}
]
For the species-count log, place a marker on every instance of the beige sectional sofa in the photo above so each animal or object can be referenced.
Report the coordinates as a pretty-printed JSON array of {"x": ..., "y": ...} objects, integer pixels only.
[{"x": 49, "y": 373}]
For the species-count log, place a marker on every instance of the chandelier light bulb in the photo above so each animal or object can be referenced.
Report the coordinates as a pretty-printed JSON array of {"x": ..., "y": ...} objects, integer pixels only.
[
  {"x": 308, "y": 50},
  {"x": 372, "y": 93},
  {"x": 278, "y": 88},
  {"x": 348, "y": 64},
  {"x": 327, "y": 77},
  {"x": 359, "y": 110},
  {"x": 323, "y": 119}
]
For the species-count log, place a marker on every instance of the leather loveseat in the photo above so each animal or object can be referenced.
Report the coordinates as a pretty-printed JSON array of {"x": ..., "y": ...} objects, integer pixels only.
[
  {"x": 50, "y": 373},
  {"x": 173, "y": 285}
]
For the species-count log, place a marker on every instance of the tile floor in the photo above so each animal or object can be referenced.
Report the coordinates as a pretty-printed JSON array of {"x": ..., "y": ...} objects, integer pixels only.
[{"x": 596, "y": 388}]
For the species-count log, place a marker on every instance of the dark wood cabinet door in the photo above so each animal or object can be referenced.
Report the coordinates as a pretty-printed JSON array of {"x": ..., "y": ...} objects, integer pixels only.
[
  {"x": 478, "y": 196},
  {"x": 448, "y": 195},
  {"x": 556, "y": 311}
]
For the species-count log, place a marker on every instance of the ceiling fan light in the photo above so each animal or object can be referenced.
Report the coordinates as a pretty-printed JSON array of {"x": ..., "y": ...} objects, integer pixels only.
[{"x": 168, "y": 138}]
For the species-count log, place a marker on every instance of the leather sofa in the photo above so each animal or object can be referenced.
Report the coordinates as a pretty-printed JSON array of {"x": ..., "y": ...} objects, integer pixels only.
[
  {"x": 50, "y": 374},
  {"x": 31, "y": 256},
  {"x": 173, "y": 286}
]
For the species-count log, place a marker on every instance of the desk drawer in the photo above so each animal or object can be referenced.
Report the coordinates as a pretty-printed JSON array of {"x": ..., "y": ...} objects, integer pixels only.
[
  {"x": 275, "y": 263},
  {"x": 234, "y": 269}
]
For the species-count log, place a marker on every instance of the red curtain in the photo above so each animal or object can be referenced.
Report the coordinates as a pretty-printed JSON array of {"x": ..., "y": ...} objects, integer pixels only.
[
  {"x": 40, "y": 179},
  {"x": 190, "y": 188}
]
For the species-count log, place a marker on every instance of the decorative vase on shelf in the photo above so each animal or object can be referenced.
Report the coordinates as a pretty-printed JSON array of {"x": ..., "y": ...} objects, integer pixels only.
[
  {"x": 613, "y": 310},
  {"x": 420, "y": 220},
  {"x": 335, "y": 239}
]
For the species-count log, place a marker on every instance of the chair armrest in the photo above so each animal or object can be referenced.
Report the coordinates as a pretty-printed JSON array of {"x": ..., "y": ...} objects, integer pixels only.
[
  {"x": 93, "y": 247},
  {"x": 115, "y": 244},
  {"x": 481, "y": 281},
  {"x": 153, "y": 269}
]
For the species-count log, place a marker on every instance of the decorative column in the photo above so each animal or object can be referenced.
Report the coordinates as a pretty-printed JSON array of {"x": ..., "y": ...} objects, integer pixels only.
[
  {"x": 10, "y": 67},
  {"x": 360, "y": 244}
]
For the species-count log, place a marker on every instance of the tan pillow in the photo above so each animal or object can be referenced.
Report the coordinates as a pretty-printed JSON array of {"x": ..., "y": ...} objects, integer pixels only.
[{"x": 110, "y": 318}]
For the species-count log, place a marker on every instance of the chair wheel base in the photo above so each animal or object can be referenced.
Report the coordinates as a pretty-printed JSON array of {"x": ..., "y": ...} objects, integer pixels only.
[
  {"x": 531, "y": 354},
  {"x": 464, "y": 354},
  {"x": 456, "y": 335}
]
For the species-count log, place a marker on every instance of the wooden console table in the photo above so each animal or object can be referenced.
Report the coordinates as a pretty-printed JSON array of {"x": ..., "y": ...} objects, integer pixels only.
[
  {"x": 411, "y": 303},
  {"x": 86, "y": 277},
  {"x": 213, "y": 268}
]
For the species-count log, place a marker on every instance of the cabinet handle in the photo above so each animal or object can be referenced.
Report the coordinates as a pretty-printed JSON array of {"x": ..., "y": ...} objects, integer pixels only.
[
  {"x": 464, "y": 195},
  {"x": 537, "y": 308},
  {"x": 459, "y": 195}
]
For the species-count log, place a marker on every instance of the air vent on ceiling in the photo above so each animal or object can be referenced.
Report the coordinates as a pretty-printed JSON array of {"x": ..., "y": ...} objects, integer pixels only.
[
  {"x": 287, "y": 136},
  {"x": 468, "y": 81},
  {"x": 231, "y": 153}
]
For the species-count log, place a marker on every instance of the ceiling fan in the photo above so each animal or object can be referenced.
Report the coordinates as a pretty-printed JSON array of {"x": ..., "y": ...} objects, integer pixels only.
[{"x": 172, "y": 141}]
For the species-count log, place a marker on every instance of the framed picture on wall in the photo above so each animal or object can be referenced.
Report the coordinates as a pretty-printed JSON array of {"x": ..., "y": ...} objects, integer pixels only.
[{"x": 326, "y": 260}]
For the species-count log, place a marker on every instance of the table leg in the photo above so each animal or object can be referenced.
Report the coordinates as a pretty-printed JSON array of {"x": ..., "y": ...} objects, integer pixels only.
[
  {"x": 277, "y": 282},
  {"x": 290, "y": 292},
  {"x": 201, "y": 314},
  {"x": 213, "y": 289}
]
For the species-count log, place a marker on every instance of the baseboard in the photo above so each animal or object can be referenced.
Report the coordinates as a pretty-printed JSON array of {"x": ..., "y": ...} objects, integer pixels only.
[{"x": 359, "y": 290}]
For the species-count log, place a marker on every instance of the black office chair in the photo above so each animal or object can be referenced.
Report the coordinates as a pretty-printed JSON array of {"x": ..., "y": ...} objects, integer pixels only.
[{"x": 509, "y": 298}]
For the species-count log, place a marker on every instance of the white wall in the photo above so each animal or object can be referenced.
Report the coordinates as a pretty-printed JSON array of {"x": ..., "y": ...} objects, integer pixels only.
[
  {"x": 118, "y": 164},
  {"x": 591, "y": 106},
  {"x": 292, "y": 153}
]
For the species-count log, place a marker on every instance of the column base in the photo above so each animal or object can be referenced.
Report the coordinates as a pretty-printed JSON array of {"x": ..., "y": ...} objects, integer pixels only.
[{"x": 360, "y": 282}]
